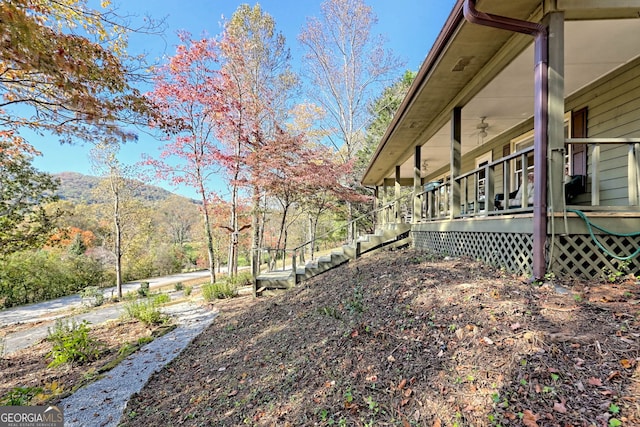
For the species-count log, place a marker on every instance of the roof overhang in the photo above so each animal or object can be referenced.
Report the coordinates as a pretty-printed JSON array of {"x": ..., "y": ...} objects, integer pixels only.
[{"x": 489, "y": 73}]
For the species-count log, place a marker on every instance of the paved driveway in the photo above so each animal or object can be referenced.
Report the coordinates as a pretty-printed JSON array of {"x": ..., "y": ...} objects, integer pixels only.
[{"x": 43, "y": 313}]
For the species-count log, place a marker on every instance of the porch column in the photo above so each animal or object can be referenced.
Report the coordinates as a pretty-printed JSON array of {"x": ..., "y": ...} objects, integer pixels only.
[
  {"x": 397, "y": 195},
  {"x": 416, "y": 215},
  {"x": 456, "y": 159},
  {"x": 385, "y": 202},
  {"x": 556, "y": 152},
  {"x": 376, "y": 206}
]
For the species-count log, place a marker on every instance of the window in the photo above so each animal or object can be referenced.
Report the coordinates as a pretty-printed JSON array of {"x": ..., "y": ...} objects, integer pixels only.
[
  {"x": 526, "y": 141},
  {"x": 481, "y": 179},
  {"x": 517, "y": 144}
]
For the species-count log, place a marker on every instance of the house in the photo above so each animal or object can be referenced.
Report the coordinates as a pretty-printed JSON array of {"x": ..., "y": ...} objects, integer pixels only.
[{"x": 549, "y": 88}]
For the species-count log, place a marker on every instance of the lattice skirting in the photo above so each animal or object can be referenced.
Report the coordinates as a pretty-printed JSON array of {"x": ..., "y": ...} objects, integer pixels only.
[
  {"x": 578, "y": 256},
  {"x": 575, "y": 256},
  {"x": 509, "y": 251}
]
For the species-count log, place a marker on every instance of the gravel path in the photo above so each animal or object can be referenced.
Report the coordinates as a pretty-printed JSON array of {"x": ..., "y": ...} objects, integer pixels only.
[{"x": 103, "y": 402}]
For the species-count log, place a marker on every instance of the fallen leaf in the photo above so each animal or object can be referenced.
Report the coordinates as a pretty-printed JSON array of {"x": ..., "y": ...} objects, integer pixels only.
[
  {"x": 232, "y": 393},
  {"x": 515, "y": 326},
  {"x": 487, "y": 341},
  {"x": 559, "y": 407},
  {"x": 613, "y": 375},
  {"x": 391, "y": 359},
  {"x": 626, "y": 363},
  {"x": 595, "y": 381},
  {"x": 529, "y": 419},
  {"x": 510, "y": 415},
  {"x": 437, "y": 423},
  {"x": 402, "y": 383}
]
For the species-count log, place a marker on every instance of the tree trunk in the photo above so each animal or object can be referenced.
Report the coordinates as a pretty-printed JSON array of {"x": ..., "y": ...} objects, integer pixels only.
[
  {"x": 350, "y": 228},
  {"x": 210, "y": 252},
  {"x": 281, "y": 233},
  {"x": 255, "y": 229},
  {"x": 232, "y": 265},
  {"x": 117, "y": 240}
]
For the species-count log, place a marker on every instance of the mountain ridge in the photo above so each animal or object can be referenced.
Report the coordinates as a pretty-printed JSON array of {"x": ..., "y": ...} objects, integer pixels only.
[{"x": 80, "y": 188}]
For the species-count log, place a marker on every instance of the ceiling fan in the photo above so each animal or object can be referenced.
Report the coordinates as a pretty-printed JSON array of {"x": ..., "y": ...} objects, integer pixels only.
[{"x": 482, "y": 129}]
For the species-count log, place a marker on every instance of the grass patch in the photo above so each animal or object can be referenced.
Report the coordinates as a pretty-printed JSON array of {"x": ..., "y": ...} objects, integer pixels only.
[
  {"x": 72, "y": 343},
  {"x": 148, "y": 310},
  {"x": 219, "y": 290}
]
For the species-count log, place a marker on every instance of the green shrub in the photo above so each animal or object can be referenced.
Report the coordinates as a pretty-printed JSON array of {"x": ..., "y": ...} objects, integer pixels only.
[
  {"x": 20, "y": 396},
  {"x": 188, "y": 290},
  {"x": 33, "y": 276},
  {"x": 143, "y": 290},
  {"x": 93, "y": 295},
  {"x": 146, "y": 311},
  {"x": 72, "y": 343},
  {"x": 219, "y": 290},
  {"x": 243, "y": 278},
  {"x": 160, "y": 299},
  {"x": 179, "y": 286}
]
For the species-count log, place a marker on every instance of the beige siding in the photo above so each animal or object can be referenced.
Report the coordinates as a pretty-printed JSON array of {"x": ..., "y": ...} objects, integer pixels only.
[
  {"x": 613, "y": 104},
  {"x": 614, "y": 112}
]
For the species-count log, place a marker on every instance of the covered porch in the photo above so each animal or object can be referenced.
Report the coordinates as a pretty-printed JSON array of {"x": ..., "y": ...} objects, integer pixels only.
[{"x": 489, "y": 108}]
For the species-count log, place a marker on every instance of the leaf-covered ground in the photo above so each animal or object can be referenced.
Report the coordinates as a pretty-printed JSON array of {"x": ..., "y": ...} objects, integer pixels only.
[
  {"x": 402, "y": 339},
  {"x": 27, "y": 379}
]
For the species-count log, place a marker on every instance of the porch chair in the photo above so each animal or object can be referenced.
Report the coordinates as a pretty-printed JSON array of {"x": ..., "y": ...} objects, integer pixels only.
[{"x": 576, "y": 185}]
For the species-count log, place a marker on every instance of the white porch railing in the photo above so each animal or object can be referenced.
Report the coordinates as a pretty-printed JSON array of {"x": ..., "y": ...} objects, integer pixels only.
[{"x": 435, "y": 201}]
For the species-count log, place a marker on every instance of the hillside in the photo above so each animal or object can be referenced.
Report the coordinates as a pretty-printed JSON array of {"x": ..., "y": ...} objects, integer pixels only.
[
  {"x": 406, "y": 339},
  {"x": 79, "y": 188}
]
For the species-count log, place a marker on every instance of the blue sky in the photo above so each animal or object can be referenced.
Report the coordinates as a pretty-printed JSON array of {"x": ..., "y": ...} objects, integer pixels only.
[{"x": 409, "y": 26}]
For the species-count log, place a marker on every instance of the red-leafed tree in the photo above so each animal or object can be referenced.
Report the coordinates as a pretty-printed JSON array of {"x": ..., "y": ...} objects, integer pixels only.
[
  {"x": 282, "y": 172},
  {"x": 300, "y": 174},
  {"x": 257, "y": 81},
  {"x": 186, "y": 92},
  {"x": 327, "y": 188}
]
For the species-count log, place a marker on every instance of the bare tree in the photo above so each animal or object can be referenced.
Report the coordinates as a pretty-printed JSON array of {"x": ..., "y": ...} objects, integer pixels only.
[
  {"x": 347, "y": 65},
  {"x": 105, "y": 163}
]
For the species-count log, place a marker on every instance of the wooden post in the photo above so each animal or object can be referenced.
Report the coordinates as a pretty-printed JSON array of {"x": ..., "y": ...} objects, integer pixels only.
[
  {"x": 294, "y": 268},
  {"x": 595, "y": 174},
  {"x": 556, "y": 152},
  {"x": 456, "y": 160},
  {"x": 255, "y": 270},
  {"x": 416, "y": 215},
  {"x": 385, "y": 201},
  {"x": 632, "y": 175},
  {"x": 398, "y": 188}
]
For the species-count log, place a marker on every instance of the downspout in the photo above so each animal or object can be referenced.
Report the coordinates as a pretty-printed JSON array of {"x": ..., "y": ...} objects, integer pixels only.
[{"x": 540, "y": 120}]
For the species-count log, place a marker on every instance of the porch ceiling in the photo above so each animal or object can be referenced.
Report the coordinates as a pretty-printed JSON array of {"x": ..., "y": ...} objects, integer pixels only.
[{"x": 489, "y": 73}]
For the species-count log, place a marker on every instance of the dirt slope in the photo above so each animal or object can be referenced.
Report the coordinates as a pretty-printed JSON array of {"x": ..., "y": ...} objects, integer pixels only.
[{"x": 403, "y": 339}]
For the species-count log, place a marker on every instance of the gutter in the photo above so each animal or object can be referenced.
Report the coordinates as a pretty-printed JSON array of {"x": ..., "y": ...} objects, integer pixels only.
[{"x": 540, "y": 120}]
